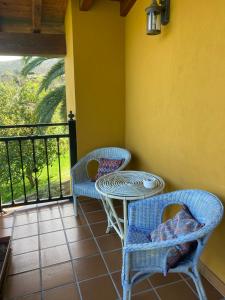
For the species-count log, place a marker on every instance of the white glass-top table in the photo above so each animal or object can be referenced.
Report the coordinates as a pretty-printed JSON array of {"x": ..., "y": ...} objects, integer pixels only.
[{"x": 125, "y": 186}]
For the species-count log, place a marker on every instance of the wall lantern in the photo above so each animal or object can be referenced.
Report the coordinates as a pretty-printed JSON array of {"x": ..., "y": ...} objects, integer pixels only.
[{"x": 157, "y": 14}]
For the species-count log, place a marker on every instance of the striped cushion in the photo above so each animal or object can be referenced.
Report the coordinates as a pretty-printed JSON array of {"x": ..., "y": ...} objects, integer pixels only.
[
  {"x": 183, "y": 223},
  {"x": 108, "y": 166}
]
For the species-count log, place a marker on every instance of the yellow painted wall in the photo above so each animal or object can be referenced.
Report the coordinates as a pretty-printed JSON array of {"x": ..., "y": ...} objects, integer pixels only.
[
  {"x": 175, "y": 102},
  {"x": 174, "y": 93},
  {"x": 98, "y": 45},
  {"x": 69, "y": 61}
]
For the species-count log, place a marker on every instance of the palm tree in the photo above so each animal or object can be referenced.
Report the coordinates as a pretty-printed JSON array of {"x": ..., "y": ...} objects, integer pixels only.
[{"x": 56, "y": 91}]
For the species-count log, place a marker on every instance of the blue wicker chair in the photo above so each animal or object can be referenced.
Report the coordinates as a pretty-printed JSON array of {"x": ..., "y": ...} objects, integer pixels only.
[
  {"x": 142, "y": 258},
  {"x": 81, "y": 183}
]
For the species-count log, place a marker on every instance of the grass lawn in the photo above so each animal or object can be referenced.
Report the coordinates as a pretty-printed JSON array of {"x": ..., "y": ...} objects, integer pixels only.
[{"x": 42, "y": 182}]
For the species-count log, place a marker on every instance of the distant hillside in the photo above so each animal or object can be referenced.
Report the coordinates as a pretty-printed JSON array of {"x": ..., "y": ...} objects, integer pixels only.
[{"x": 15, "y": 66}]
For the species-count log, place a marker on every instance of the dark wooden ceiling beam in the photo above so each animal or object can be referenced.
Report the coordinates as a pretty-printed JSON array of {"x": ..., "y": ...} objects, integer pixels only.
[
  {"x": 85, "y": 5},
  {"x": 32, "y": 44},
  {"x": 36, "y": 15},
  {"x": 125, "y": 6}
]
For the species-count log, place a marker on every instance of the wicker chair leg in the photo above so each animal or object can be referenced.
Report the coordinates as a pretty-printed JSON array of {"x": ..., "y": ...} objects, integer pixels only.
[
  {"x": 126, "y": 285},
  {"x": 198, "y": 283},
  {"x": 127, "y": 289},
  {"x": 75, "y": 205},
  {"x": 126, "y": 294}
]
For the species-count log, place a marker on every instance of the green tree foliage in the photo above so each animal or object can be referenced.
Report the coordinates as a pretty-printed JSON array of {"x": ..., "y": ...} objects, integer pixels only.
[
  {"x": 50, "y": 102},
  {"x": 31, "y": 63},
  {"x": 18, "y": 102},
  {"x": 53, "y": 84}
]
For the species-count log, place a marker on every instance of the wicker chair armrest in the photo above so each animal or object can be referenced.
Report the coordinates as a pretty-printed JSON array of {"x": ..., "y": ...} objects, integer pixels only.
[
  {"x": 197, "y": 235},
  {"x": 125, "y": 163},
  {"x": 79, "y": 172}
]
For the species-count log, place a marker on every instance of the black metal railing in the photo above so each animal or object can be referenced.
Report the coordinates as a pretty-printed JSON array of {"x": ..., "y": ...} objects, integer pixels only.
[{"x": 24, "y": 152}]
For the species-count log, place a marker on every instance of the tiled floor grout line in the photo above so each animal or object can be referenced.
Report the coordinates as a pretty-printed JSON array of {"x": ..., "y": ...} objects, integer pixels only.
[
  {"x": 41, "y": 221},
  {"x": 102, "y": 275},
  {"x": 188, "y": 284},
  {"x": 6, "y": 228},
  {"x": 44, "y": 290},
  {"x": 93, "y": 211},
  {"x": 26, "y": 224},
  {"x": 12, "y": 229},
  {"x": 168, "y": 284},
  {"x": 36, "y": 250},
  {"x": 61, "y": 263},
  {"x": 105, "y": 252},
  {"x": 99, "y": 222},
  {"x": 102, "y": 256},
  {"x": 84, "y": 225},
  {"x": 99, "y": 276},
  {"x": 39, "y": 253},
  {"x": 96, "y": 254},
  {"x": 71, "y": 260},
  {"x": 91, "y": 278},
  {"x": 154, "y": 289},
  {"x": 56, "y": 205},
  {"x": 145, "y": 291}
]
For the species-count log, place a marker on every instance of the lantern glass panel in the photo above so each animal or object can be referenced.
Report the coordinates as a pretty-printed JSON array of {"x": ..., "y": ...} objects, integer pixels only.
[{"x": 153, "y": 22}]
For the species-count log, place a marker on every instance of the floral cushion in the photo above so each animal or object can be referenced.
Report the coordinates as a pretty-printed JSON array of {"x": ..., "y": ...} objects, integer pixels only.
[
  {"x": 183, "y": 223},
  {"x": 108, "y": 166}
]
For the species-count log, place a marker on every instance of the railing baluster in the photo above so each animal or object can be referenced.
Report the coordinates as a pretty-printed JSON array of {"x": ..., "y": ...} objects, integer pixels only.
[
  {"x": 47, "y": 165},
  {"x": 59, "y": 163},
  {"x": 35, "y": 169},
  {"x": 9, "y": 169},
  {"x": 72, "y": 139},
  {"x": 23, "y": 164},
  {"x": 1, "y": 203},
  {"x": 1, "y": 192},
  {"x": 22, "y": 168}
]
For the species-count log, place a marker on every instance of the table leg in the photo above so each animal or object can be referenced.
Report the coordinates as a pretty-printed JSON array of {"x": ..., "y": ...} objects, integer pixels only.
[
  {"x": 108, "y": 213},
  {"x": 125, "y": 218},
  {"x": 113, "y": 215},
  {"x": 109, "y": 226}
]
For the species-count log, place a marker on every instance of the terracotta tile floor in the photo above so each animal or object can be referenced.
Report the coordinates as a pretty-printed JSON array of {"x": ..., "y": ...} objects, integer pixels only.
[{"x": 57, "y": 256}]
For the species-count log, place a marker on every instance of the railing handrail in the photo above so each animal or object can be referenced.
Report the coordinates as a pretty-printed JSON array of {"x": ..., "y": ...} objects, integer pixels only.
[
  {"x": 33, "y": 137},
  {"x": 5, "y": 140},
  {"x": 33, "y": 125}
]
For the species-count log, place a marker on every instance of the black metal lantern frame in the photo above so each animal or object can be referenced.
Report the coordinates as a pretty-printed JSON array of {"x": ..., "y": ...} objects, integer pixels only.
[{"x": 157, "y": 14}]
